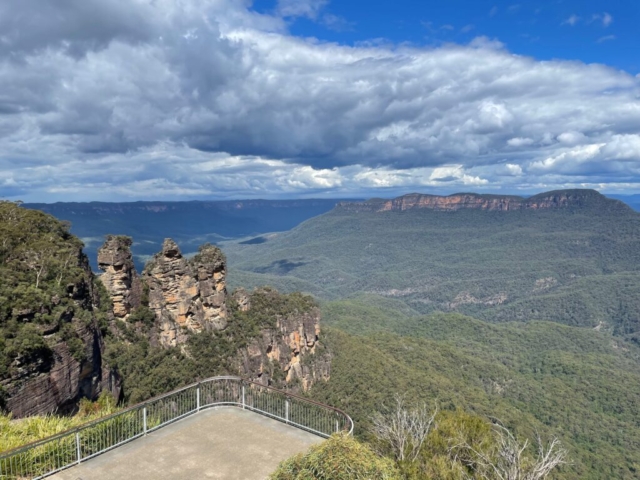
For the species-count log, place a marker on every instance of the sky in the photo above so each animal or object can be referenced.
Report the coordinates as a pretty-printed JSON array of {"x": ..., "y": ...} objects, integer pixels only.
[{"x": 122, "y": 100}]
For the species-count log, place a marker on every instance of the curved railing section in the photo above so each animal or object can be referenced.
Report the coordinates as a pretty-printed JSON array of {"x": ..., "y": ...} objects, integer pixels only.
[{"x": 50, "y": 455}]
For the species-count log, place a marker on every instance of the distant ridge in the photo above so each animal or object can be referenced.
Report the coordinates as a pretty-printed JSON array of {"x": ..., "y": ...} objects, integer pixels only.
[{"x": 459, "y": 201}]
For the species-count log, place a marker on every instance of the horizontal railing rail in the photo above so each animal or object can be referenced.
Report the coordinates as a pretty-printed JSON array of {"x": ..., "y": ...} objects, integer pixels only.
[{"x": 52, "y": 454}]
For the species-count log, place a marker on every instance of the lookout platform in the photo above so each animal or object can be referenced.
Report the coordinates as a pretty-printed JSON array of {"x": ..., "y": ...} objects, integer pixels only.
[{"x": 219, "y": 443}]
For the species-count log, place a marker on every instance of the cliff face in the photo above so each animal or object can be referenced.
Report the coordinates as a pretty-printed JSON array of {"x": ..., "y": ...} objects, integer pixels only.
[
  {"x": 56, "y": 383},
  {"x": 186, "y": 295},
  {"x": 120, "y": 277},
  {"x": 289, "y": 355},
  {"x": 68, "y": 362},
  {"x": 458, "y": 201}
]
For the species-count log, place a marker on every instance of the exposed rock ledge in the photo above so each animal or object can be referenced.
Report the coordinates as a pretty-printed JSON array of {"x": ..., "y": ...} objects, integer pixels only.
[{"x": 458, "y": 201}]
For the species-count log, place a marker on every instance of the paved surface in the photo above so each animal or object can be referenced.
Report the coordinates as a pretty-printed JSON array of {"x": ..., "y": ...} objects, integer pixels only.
[{"x": 221, "y": 443}]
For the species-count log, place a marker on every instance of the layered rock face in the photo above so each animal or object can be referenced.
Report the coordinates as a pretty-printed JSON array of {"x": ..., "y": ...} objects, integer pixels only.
[
  {"x": 557, "y": 199},
  {"x": 186, "y": 295},
  {"x": 55, "y": 384},
  {"x": 120, "y": 277},
  {"x": 289, "y": 356}
]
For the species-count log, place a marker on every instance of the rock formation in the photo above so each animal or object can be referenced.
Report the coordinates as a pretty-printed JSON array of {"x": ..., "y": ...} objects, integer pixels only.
[
  {"x": 186, "y": 294},
  {"x": 289, "y": 355},
  {"x": 189, "y": 295},
  {"x": 458, "y": 201},
  {"x": 120, "y": 277}
]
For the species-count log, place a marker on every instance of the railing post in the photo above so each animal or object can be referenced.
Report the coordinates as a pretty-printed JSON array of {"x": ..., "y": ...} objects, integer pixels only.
[
  {"x": 144, "y": 419},
  {"x": 79, "y": 453},
  {"x": 198, "y": 397},
  {"x": 337, "y": 426},
  {"x": 243, "y": 404},
  {"x": 286, "y": 410}
]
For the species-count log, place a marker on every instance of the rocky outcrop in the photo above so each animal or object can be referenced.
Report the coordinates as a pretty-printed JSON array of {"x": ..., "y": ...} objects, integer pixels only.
[
  {"x": 242, "y": 299},
  {"x": 459, "y": 201},
  {"x": 288, "y": 356},
  {"x": 186, "y": 295},
  {"x": 58, "y": 381},
  {"x": 120, "y": 277}
]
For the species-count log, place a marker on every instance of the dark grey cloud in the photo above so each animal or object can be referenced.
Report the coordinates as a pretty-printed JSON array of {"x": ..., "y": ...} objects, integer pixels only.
[
  {"x": 152, "y": 98},
  {"x": 74, "y": 26}
]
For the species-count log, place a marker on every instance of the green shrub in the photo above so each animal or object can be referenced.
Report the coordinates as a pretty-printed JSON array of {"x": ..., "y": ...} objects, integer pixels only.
[{"x": 341, "y": 457}]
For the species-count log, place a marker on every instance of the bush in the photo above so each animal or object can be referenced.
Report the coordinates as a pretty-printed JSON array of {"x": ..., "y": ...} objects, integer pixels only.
[{"x": 341, "y": 457}]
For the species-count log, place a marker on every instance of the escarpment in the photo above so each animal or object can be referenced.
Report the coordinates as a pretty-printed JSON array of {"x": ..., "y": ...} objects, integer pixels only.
[
  {"x": 187, "y": 295},
  {"x": 459, "y": 201}
]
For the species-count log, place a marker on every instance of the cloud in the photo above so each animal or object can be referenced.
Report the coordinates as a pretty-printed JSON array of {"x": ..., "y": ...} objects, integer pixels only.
[
  {"x": 512, "y": 169},
  {"x": 604, "y": 18},
  {"x": 520, "y": 142},
  {"x": 494, "y": 11},
  {"x": 301, "y": 8},
  {"x": 572, "y": 20},
  {"x": 209, "y": 99},
  {"x": 336, "y": 23},
  {"x": 606, "y": 38}
]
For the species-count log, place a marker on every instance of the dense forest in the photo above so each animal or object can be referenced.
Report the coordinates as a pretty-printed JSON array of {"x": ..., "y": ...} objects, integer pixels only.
[
  {"x": 577, "y": 265},
  {"x": 579, "y": 384}
]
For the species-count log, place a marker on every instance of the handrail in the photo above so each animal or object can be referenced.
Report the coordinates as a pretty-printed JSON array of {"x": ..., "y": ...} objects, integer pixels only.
[{"x": 52, "y": 454}]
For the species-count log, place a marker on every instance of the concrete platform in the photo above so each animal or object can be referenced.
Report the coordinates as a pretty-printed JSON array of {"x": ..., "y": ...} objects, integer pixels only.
[{"x": 221, "y": 443}]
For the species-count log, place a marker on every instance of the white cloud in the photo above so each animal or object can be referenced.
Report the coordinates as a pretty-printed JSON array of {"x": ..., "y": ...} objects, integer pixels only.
[
  {"x": 202, "y": 98},
  {"x": 301, "y": 8},
  {"x": 572, "y": 20},
  {"x": 606, "y": 38},
  {"x": 571, "y": 138},
  {"x": 605, "y": 18},
  {"x": 513, "y": 169},
  {"x": 520, "y": 142}
]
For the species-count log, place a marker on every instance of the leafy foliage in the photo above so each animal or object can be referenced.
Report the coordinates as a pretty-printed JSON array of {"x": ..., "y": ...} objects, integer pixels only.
[
  {"x": 339, "y": 458},
  {"x": 41, "y": 268}
]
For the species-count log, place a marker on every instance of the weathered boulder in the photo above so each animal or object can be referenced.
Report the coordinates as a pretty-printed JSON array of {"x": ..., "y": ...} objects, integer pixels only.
[{"x": 186, "y": 295}]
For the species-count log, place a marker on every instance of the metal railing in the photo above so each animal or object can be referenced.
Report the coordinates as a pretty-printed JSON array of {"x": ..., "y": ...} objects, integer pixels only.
[{"x": 50, "y": 455}]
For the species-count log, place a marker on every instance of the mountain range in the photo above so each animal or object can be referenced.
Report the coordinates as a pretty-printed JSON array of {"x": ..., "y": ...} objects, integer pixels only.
[{"x": 569, "y": 256}]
